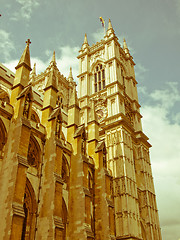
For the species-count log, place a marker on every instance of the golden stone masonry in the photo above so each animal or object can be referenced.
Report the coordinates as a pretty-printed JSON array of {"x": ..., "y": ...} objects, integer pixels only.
[{"x": 75, "y": 167}]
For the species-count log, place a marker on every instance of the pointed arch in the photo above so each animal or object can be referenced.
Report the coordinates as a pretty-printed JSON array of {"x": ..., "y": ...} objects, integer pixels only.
[
  {"x": 30, "y": 210},
  {"x": 34, "y": 116},
  {"x": 65, "y": 171},
  {"x": 3, "y": 138},
  {"x": 98, "y": 61},
  {"x": 98, "y": 70}
]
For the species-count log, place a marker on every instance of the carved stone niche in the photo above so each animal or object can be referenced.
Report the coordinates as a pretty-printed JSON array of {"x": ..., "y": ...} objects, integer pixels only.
[
  {"x": 128, "y": 110},
  {"x": 33, "y": 156},
  {"x": 27, "y": 103}
]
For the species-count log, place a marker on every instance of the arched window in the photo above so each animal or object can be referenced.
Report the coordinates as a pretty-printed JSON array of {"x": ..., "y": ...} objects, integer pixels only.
[
  {"x": 33, "y": 156},
  {"x": 30, "y": 208},
  {"x": 65, "y": 172},
  {"x": 99, "y": 78},
  {"x": 3, "y": 138},
  {"x": 34, "y": 117}
]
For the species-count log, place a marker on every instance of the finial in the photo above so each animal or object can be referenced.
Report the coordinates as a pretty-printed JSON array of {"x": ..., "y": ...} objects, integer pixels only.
[
  {"x": 53, "y": 57},
  {"x": 34, "y": 69},
  {"x": 109, "y": 24},
  {"x": 85, "y": 39},
  {"x": 125, "y": 44},
  {"x": 125, "y": 48},
  {"x": 33, "y": 74},
  {"x": 28, "y": 42},
  {"x": 25, "y": 57},
  {"x": 70, "y": 73}
]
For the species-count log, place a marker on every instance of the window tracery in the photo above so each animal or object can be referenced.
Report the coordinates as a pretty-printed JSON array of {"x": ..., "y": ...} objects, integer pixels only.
[
  {"x": 99, "y": 78},
  {"x": 33, "y": 154},
  {"x": 65, "y": 172},
  {"x": 34, "y": 117}
]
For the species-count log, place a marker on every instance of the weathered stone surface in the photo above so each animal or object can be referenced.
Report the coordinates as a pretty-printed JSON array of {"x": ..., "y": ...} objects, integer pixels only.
[{"x": 75, "y": 168}]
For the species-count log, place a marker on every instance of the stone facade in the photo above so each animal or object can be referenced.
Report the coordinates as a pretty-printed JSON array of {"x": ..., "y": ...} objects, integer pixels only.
[{"x": 75, "y": 167}]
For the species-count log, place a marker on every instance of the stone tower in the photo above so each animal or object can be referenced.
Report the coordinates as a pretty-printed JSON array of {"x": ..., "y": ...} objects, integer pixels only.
[
  {"x": 107, "y": 84},
  {"x": 75, "y": 167}
]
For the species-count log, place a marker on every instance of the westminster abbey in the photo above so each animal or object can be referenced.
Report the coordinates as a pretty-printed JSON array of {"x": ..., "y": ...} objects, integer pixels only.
[{"x": 75, "y": 167}]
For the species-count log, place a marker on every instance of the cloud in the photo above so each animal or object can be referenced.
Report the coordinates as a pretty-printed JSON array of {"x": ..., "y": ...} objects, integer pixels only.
[
  {"x": 140, "y": 70},
  {"x": 98, "y": 35},
  {"x": 66, "y": 57},
  {"x": 40, "y": 65},
  {"x": 165, "y": 154},
  {"x": 6, "y": 44},
  {"x": 26, "y": 9},
  {"x": 168, "y": 97}
]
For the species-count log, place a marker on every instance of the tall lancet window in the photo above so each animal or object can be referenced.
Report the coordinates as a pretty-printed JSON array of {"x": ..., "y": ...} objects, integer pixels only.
[{"x": 99, "y": 78}]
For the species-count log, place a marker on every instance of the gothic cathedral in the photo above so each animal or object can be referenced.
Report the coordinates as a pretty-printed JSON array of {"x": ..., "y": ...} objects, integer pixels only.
[{"x": 75, "y": 167}]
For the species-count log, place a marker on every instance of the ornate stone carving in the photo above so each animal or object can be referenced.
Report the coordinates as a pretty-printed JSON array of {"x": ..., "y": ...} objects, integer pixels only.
[
  {"x": 27, "y": 106},
  {"x": 100, "y": 103},
  {"x": 83, "y": 143},
  {"x": 33, "y": 154},
  {"x": 128, "y": 110},
  {"x": 58, "y": 126}
]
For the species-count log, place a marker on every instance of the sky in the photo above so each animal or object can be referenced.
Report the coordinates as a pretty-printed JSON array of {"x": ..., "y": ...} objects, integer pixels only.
[{"x": 152, "y": 32}]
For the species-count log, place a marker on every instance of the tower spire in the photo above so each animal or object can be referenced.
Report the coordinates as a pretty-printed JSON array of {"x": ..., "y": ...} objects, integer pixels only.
[
  {"x": 125, "y": 44},
  {"x": 125, "y": 48},
  {"x": 53, "y": 57},
  {"x": 110, "y": 30},
  {"x": 85, "y": 43},
  {"x": 33, "y": 74},
  {"x": 109, "y": 24},
  {"x": 53, "y": 61},
  {"x": 85, "y": 39},
  {"x": 34, "y": 69},
  {"x": 25, "y": 58},
  {"x": 70, "y": 73}
]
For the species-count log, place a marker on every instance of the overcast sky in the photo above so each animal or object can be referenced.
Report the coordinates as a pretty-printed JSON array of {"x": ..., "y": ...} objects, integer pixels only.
[{"x": 152, "y": 31}]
